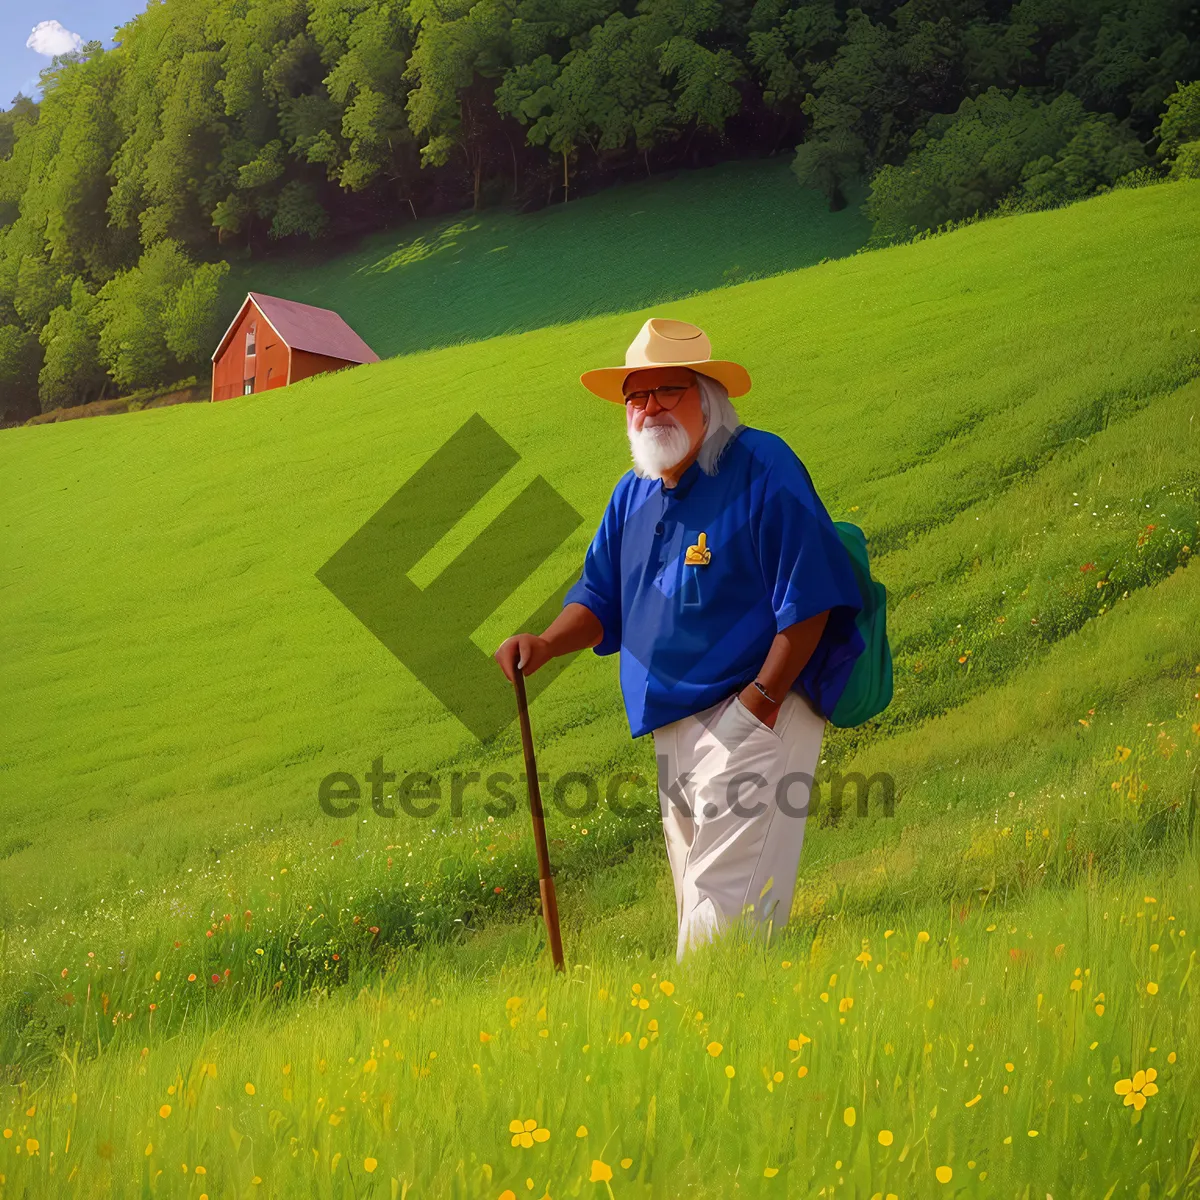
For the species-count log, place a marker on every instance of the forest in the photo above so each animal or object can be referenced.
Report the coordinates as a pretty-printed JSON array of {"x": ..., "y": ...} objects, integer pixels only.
[{"x": 217, "y": 130}]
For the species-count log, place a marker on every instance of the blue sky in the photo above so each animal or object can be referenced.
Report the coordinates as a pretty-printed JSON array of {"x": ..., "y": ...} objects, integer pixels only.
[{"x": 20, "y": 64}]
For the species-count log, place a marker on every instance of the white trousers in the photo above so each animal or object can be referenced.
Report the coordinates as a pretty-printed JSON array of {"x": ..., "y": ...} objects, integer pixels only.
[{"x": 734, "y": 795}]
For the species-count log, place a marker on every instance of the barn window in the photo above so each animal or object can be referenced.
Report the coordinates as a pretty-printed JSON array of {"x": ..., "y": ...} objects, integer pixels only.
[
  {"x": 250, "y": 335},
  {"x": 247, "y": 387}
]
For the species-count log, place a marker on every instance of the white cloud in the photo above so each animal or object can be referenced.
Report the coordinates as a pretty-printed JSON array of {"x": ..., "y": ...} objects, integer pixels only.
[{"x": 51, "y": 38}]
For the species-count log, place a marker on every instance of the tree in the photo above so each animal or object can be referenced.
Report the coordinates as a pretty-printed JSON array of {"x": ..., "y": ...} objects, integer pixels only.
[
  {"x": 604, "y": 94},
  {"x": 192, "y": 320},
  {"x": 131, "y": 316},
  {"x": 298, "y": 211},
  {"x": 20, "y": 360},
  {"x": 20, "y": 116},
  {"x": 1179, "y": 132},
  {"x": 788, "y": 52},
  {"x": 368, "y": 84},
  {"x": 451, "y": 66},
  {"x": 72, "y": 372},
  {"x": 66, "y": 201},
  {"x": 705, "y": 79},
  {"x": 852, "y": 109},
  {"x": 1100, "y": 151},
  {"x": 40, "y": 288},
  {"x": 997, "y": 146}
]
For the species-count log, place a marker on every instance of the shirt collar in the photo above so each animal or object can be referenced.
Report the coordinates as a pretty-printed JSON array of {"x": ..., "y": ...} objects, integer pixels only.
[{"x": 686, "y": 481}]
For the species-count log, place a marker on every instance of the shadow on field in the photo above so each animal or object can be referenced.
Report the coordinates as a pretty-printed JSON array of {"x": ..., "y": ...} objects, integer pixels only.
[{"x": 472, "y": 275}]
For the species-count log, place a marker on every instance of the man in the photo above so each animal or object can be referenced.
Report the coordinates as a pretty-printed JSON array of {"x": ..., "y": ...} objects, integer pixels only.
[{"x": 718, "y": 574}]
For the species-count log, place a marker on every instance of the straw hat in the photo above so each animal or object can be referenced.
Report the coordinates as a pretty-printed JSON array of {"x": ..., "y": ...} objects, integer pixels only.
[{"x": 662, "y": 342}]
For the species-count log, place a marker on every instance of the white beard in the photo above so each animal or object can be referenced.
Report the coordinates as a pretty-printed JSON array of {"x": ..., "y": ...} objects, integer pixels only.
[{"x": 657, "y": 448}]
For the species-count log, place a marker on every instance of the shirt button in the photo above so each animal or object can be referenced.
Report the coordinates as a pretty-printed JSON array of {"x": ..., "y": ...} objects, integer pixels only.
[{"x": 659, "y": 528}]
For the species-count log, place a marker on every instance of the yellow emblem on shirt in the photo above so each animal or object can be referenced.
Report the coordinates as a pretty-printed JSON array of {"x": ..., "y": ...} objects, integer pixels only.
[{"x": 699, "y": 554}]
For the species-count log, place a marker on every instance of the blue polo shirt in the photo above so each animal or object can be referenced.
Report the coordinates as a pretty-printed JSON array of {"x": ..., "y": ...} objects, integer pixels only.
[{"x": 692, "y": 633}]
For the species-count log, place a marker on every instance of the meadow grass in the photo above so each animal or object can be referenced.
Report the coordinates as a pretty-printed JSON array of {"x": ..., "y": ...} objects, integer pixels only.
[
  {"x": 444, "y": 280},
  {"x": 1009, "y": 411},
  {"x": 980, "y": 1044}
]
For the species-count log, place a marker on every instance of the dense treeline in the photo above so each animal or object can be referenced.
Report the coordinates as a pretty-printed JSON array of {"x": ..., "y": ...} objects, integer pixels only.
[{"x": 220, "y": 127}]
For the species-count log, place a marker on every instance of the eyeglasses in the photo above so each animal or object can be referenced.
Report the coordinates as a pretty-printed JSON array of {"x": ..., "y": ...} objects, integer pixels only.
[{"x": 668, "y": 395}]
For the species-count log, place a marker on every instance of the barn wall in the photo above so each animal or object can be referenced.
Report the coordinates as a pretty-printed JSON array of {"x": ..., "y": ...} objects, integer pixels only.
[
  {"x": 270, "y": 367},
  {"x": 306, "y": 364}
]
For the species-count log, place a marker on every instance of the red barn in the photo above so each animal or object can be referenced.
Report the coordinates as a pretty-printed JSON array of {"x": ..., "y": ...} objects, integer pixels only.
[{"x": 274, "y": 342}]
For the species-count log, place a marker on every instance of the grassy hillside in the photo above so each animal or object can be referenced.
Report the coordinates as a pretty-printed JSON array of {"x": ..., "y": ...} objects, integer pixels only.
[
  {"x": 443, "y": 280},
  {"x": 1009, "y": 411}
]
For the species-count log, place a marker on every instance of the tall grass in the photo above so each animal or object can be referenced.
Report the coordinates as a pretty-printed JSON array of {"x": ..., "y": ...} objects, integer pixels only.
[{"x": 977, "y": 1044}]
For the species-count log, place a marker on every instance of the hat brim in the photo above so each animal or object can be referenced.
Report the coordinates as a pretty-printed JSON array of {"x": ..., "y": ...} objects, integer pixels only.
[{"x": 606, "y": 382}]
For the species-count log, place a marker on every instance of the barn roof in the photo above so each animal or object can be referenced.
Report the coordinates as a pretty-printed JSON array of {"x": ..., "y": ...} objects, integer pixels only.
[{"x": 306, "y": 327}]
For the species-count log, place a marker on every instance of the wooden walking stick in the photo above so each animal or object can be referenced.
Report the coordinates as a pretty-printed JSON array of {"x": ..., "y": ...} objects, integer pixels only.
[{"x": 545, "y": 878}]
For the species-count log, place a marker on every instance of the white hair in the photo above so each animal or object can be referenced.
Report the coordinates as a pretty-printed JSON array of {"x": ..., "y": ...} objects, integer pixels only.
[{"x": 721, "y": 423}]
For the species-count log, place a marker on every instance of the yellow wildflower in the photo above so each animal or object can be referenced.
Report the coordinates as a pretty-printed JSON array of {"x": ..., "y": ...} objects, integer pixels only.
[
  {"x": 1138, "y": 1089},
  {"x": 525, "y": 1133}
]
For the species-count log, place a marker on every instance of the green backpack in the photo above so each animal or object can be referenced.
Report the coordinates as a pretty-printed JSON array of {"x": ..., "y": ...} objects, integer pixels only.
[{"x": 869, "y": 689}]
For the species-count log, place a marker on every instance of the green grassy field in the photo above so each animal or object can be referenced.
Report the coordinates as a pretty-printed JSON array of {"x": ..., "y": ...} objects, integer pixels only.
[
  {"x": 201, "y": 969},
  {"x": 444, "y": 280}
]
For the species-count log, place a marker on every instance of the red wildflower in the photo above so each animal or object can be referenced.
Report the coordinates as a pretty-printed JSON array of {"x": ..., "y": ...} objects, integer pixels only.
[{"x": 1087, "y": 567}]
